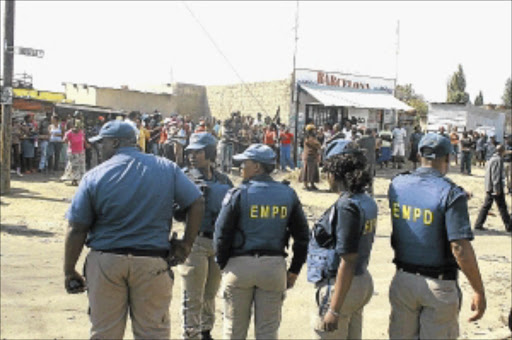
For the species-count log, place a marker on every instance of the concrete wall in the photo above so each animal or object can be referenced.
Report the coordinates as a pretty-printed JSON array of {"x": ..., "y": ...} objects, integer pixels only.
[
  {"x": 80, "y": 94},
  {"x": 251, "y": 98},
  {"x": 127, "y": 100},
  {"x": 190, "y": 100}
]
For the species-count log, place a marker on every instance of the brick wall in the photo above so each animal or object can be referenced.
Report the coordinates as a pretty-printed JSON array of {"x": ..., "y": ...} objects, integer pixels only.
[{"x": 249, "y": 99}]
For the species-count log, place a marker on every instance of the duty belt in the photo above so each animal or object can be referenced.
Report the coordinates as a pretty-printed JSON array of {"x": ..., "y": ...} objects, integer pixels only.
[
  {"x": 432, "y": 273},
  {"x": 137, "y": 252},
  {"x": 259, "y": 253}
]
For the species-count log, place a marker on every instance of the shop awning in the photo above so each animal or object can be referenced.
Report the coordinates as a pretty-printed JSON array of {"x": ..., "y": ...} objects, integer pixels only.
[{"x": 333, "y": 96}]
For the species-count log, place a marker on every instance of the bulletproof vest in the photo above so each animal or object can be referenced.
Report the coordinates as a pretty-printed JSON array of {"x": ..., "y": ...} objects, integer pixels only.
[
  {"x": 418, "y": 203},
  {"x": 323, "y": 261},
  {"x": 265, "y": 208},
  {"x": 214, "y": 194}
]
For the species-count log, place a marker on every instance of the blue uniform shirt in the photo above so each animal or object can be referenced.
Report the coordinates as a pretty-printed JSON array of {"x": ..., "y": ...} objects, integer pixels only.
[
  {"x": 218, "y": 186},
  {"x": 352, "y": 220},
  {"x": 258, "y": 217},
  {"x": 428, "y": 211},
  {"x": 128, "y": 201}
]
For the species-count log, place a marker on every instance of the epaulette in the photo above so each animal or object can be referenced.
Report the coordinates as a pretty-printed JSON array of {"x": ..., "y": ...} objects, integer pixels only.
[
  {"x": 401, "y": 174},
  {"x": 231, "y": 192}
]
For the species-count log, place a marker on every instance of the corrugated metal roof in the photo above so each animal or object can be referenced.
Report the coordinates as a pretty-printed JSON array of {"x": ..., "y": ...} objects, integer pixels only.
[{"x": 333, "y": 96}]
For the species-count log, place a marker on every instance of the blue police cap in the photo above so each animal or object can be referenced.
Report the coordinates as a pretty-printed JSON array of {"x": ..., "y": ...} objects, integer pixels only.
[
  {"x": 201, "y": 140},
  {"x": 434, "y": 145},
  {"x": 115, "y": 129},
  {"x": 339, "y": 146},
  {"x": 258, "y": 153}
]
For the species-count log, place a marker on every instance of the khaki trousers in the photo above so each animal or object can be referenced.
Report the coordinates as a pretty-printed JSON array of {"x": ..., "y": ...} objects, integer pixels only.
[
  {"x": 253, "y": 281},
  {"x": 350, "y": 324},
  {"x": 117, "y": 284},
  {"x": 423, "y": 308},
  {"x": 200, "y": 280}
]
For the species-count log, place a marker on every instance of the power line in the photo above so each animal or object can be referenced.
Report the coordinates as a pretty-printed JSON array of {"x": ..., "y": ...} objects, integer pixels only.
[{"x": 224, "y": 56}]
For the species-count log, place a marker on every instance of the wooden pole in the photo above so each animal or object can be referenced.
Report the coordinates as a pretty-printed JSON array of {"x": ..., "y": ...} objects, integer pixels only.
[{"x": 7, "y": 97}]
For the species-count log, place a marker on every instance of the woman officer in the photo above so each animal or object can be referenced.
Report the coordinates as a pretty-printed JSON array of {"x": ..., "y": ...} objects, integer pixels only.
[{"x": 340, "y": 246}]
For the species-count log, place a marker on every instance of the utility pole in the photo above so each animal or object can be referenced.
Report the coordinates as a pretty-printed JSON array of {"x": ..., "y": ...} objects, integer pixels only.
[
  {"x": 295, "y": 93},
  {"x": 6, "y": 97}
]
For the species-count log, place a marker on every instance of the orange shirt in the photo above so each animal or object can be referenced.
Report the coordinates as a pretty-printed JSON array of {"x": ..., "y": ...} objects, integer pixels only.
[
  {"x": 286, "y": 138},
  {"x": 454, "y": 138},
  {"x": 269, "y": 138}
]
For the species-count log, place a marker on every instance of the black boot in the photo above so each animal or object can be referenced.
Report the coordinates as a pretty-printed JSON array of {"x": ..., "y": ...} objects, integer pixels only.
[{"x": 205, "y": 335}]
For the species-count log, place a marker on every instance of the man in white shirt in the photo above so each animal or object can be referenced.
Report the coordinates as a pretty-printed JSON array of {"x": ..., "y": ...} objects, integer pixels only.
[{"x": 399, "y": 135}]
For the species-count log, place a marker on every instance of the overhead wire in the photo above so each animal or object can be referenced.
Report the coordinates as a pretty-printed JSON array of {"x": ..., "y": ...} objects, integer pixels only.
[{"x": 224, "y": 56}]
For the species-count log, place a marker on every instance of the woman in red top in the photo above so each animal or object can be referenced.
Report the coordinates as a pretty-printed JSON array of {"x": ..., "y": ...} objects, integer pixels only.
[
  {"x": 270, "y": 139},
  {"x": 75, "y": 168}
]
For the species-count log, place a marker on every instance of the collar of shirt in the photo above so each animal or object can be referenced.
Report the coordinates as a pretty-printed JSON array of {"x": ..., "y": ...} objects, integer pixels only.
[
  {"x": 428, "y": 171},
  {"x": 262, "y": 177},
  {"x": 127, "y": 150}
]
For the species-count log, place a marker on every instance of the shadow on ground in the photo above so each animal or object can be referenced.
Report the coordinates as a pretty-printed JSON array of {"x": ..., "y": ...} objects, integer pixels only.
[
  {"x": 24, "y": 193},
  {"x": 23, "y": 230}
]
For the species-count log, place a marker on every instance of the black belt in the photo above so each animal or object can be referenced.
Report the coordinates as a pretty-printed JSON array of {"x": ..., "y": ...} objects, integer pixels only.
[
  {"x": 207, "y": 234},
  {"x": 428, "y": 272},
  {"x": 259, "y": 253},
  {"x": 137, "y": 252}
]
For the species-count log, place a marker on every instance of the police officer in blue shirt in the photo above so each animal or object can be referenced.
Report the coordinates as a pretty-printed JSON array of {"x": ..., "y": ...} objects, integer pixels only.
[
  {"x": 251, "y": 234},
  {"x": 201, "y": 274},
  {"x": 123, "y": 211},
  {"x": 431, "y": 241},
  {"x": 340, "y": 246}
]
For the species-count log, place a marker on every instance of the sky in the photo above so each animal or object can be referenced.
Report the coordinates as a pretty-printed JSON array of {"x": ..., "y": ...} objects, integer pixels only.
[{"x": 146, "y": 43}]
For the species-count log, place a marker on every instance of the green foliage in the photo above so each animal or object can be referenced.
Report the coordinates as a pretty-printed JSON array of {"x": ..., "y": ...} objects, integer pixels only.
[
  {"x": 507, "y": 94},
  {"x": 406, "y": 94},
  {"x": 479, "y": 100},
  {"x": 456, "y": 88}
]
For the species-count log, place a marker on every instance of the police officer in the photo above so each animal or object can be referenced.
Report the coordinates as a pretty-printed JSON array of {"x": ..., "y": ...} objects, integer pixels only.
[
  {"x": 340, "y": 246},
  {"x": 122, "y": 210},
  {"x": 431, "y": 241},
  {"x": 251, "y": 234},
  {"x": 201, "y": 274}
]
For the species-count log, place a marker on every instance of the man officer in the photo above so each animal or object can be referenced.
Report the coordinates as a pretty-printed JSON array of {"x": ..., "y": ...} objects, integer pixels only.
[
  {"x": 123, "y": 210},
  {"x": 251, "y": 234},
  {"x": 201, "y": 274},
  {"x": 431, "y": 240}
]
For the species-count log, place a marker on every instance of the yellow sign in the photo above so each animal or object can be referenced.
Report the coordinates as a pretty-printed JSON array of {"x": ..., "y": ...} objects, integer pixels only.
[{"x": 55, "y": 97}]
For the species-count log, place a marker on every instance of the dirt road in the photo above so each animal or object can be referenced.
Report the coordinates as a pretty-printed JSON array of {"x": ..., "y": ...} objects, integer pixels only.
[{"x": 34, "y": 304}]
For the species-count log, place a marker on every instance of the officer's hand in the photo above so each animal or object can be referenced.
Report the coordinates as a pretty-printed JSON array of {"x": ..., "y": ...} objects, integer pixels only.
[
  {"x": 329, "y": 322},
  {"x": 478, "y": 305},
  {"x": 74, "y": 283},
  {"x": 290, "y": 280},
  {"x": 179, "y": 251}
]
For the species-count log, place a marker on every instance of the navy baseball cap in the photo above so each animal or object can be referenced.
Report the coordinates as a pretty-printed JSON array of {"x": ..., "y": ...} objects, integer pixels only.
[
  {"x": 339, "y": 146},
  {"x": 201, "y": 140},
  {"x": 257, "y": 153},
  {"x": 434, "y": 145},
  {"x": 115, "y": 129}
]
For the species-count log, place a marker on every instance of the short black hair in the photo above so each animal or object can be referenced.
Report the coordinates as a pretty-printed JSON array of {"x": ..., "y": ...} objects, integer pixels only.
[
  {"x": 349, "y": 169},
  {"x": 268, "y": 168}
]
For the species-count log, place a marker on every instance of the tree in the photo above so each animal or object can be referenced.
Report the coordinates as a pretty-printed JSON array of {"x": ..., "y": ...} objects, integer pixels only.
[
  {"x": 479, "y": 100},
  {"x": 406, "y": 94},
  {"x": 456, "y": 88},
  {"x": 507, "y": 94}
]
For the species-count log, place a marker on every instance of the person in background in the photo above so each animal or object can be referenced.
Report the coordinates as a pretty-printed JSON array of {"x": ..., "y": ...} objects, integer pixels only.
[
  {"x": 144, "y": 135},
  {"x": 286, "y": 139},
  {"x": 75, "y": 138},
  {"x": 385, "y": 146},
  {"x": 347, "y": 130},
  {"x": 54, "y": 144},
  {"x": 16, "y": 133},
  {"x": 367, "y": 144},
  {"x": 340, "y": 246},
  {"x": 454, "y": 140},
  {"x": 42, "y": 140},
  {"x": 309, "y": 173},
  {"x": 429, "y": 251},
  {"x": 507, "y": 162},
  {"x": 495, "y": 190},
  {"x": 270, "y": 138},
  {"x": 465, "y": 146},
  {"x": 336, "y": 134},
  {"x": 480, "y": 146},
  {"x": 28, "y": 140},
  {"x": 415, "y": 140},
  {"x": 251, "y": 235},
  {"x": 399, "y": 135},
  {"x": 491, "y": 147}
]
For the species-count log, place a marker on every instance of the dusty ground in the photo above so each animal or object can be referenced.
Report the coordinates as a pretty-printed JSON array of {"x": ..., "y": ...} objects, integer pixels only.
[{"x": 35, "y": 305}]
